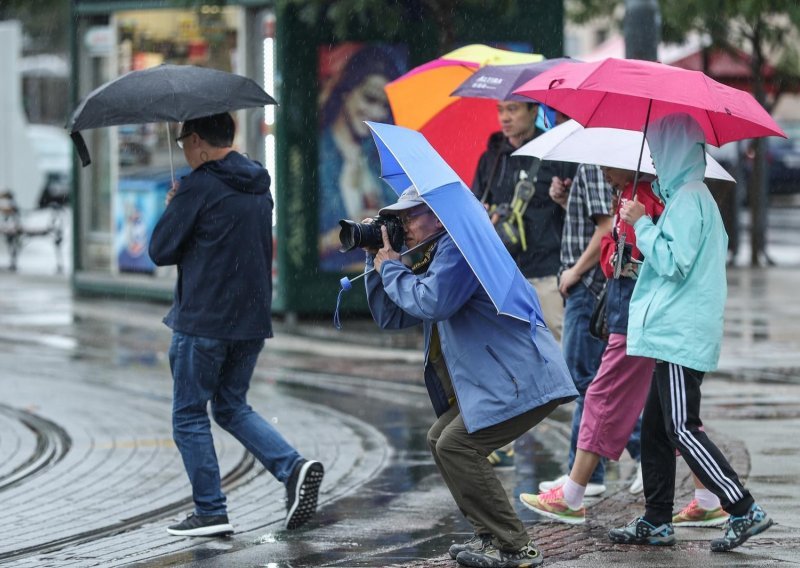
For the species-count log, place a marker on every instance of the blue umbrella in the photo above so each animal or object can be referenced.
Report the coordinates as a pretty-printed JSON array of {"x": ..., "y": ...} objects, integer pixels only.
[{"x": 408, "y": 158}]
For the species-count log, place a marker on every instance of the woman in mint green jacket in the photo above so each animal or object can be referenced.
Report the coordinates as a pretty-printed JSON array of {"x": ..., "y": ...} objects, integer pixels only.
[{"x": 676, "y": 318}]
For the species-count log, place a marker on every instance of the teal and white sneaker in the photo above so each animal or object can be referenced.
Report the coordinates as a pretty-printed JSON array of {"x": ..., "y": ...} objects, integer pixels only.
[
  {"x": 492, "y": 557},
  {"x": 739, "y": 529},
  {"x": 639, "y": 531}
]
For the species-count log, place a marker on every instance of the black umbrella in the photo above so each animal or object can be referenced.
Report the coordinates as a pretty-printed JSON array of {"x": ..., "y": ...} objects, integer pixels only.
[{"x": 171, "y": 93}]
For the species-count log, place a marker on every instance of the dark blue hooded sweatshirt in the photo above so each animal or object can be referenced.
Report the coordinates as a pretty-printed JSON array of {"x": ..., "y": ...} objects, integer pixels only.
[{"x": 218, "y": 230}]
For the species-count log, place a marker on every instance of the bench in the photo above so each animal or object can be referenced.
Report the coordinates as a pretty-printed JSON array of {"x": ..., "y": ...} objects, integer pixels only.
[{"x": 18, "y": 230}]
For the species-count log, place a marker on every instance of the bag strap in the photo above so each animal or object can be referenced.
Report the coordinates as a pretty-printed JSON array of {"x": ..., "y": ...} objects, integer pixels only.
[{"x": 488, "y": 188}]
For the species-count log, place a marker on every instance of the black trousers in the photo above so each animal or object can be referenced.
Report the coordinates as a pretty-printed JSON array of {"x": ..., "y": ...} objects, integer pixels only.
[{"x": 671, "y": 420}]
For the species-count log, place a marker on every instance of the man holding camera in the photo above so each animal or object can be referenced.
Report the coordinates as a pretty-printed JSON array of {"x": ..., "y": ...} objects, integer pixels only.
[{"x": 488, "y": 380}]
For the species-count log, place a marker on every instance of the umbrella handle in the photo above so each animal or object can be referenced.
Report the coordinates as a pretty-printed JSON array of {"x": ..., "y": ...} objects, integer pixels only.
[
  {"x": 620, "y": 249},
  {"x": 621, "y": 237},
  {"x": 169, "y": 145}
]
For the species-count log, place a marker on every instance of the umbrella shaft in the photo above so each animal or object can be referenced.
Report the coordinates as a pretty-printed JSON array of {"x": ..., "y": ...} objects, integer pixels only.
[{"x": 641, "y": 149}]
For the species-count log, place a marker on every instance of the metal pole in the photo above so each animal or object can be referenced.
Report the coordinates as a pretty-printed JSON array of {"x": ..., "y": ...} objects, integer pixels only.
[{"x": 642, "y": 28}]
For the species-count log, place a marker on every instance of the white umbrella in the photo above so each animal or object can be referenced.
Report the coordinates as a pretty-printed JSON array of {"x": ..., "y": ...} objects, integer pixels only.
[{"x": 611, "y": 147}]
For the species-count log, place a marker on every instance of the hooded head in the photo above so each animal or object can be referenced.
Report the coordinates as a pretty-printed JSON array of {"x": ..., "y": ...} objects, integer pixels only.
[{"x": 678, "y": 147}]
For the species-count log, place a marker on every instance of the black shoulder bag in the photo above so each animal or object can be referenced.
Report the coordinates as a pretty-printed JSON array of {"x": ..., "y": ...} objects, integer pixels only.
[{"x": 598, "y": 325}]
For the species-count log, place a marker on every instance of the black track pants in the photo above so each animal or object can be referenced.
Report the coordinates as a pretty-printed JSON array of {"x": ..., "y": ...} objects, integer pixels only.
[{"x": 671, "y": 421}]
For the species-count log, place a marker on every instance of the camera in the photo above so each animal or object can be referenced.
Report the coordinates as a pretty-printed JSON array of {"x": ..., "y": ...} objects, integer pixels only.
[{"x": 368, "y": 235}]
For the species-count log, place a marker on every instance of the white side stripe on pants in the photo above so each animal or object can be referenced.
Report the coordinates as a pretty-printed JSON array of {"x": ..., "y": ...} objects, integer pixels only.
[{"x": 698, "y": 452}]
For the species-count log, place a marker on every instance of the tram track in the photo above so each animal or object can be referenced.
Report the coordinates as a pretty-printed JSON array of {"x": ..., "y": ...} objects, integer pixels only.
[{"x": 52, "y": 445}]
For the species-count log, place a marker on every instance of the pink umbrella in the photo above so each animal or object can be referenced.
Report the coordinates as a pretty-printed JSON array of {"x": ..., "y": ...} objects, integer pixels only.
[{"x": 629, "y": 93}]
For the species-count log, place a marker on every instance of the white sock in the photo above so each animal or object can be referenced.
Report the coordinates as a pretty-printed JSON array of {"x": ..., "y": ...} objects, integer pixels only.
[
  {"x": 706, "y": 499},
  {"x": 573, "y": 494}
]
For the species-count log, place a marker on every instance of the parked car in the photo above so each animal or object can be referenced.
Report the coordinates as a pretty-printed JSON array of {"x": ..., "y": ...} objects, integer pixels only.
[
  {"x": 53, "y": 150},
  {"x": 783, "y": 159}
]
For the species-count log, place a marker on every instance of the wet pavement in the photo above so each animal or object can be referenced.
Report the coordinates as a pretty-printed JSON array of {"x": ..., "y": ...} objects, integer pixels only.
[
  {"x": 89, "y": 475},
  {"x": 92, "y": 473}
]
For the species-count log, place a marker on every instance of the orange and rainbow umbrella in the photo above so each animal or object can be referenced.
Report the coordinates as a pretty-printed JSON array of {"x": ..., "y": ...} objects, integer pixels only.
[{"x": 458, "y": 128}]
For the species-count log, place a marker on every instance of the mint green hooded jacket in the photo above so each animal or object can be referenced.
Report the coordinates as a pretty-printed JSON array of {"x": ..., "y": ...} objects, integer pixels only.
[{"x": 677, "y": 305}]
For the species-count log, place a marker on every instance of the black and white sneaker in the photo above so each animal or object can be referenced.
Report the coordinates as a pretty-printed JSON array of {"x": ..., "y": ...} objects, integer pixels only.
[
  {"x": 196, "y": 525},
  {"x": 302, "y": 490}
]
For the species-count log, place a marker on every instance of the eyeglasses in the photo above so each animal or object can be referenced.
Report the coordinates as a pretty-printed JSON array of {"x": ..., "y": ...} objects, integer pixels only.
[
  {"x": 179, "y": 139},
  {"x": 406, "y": 219}
]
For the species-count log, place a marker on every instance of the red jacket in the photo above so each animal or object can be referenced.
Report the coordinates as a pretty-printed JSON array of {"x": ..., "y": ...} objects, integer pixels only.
[{"x": 653, "y": 208}]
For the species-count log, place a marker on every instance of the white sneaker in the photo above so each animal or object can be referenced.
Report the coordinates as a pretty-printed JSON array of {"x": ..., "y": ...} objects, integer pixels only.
[
  {"x": 637, "y": 486},
  {"x": 592, "y": 489},
  {"x": 548, "y": 485}
]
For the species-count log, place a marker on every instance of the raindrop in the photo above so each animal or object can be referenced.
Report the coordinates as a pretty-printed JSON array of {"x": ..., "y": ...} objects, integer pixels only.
[
  {"x": 274, "y": 419},
  {"x": 268, "y": 538}
]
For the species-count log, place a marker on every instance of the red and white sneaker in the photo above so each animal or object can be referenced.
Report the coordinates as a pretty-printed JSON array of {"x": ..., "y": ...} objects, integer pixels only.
[
  {"x": 693, "y": 515},
  {"x": 551, "y": 504}
]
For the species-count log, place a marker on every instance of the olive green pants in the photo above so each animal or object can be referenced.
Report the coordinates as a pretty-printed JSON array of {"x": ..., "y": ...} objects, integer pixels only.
[{"x": 461, "y": 459}]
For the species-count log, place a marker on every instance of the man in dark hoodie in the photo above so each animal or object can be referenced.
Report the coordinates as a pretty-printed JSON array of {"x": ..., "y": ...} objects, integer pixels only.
[{"x": 217, "y": 228}]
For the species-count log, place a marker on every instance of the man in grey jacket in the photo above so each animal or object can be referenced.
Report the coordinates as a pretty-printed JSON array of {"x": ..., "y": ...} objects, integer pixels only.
[{"x": 489, "y": 377}]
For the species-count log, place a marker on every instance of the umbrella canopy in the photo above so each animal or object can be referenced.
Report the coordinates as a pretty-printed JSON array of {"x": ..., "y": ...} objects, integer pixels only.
[
  {"x": 498, "y": 82},
  {"x": 628, "y": 93},
  {"x": 408, "y": 158},
  {"x": 170, "y": 93},
  {"x": 458, "y": 128},
  {"x": 612, "y": 147}
]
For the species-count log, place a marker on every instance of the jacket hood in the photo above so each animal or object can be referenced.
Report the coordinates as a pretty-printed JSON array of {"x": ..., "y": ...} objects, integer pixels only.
[
  {"x": 240, "y": 173},
  {"x": 678, "y": 147}
]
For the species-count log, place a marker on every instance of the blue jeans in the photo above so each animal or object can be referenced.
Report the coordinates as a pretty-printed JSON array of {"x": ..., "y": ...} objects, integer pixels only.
[
  {"x": 634, "y": 445},
  {"x": 219, "y": 371},
  {"x": 582, "y": 352}
]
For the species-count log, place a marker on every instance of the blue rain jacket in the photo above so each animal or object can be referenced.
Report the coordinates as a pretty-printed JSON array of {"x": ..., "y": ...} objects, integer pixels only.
[
  {"x": 497, "y": 370},
  {"x": 677, "y": 305}
]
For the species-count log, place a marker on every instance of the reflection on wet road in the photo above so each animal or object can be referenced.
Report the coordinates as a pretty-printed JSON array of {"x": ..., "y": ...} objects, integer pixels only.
[{"x": 94, "y": 374}]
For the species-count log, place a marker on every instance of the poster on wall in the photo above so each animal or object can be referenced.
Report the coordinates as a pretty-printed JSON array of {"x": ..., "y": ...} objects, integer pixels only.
[
  {"x": 351, "y": 76},
  {"x": 139, "y": 204}
]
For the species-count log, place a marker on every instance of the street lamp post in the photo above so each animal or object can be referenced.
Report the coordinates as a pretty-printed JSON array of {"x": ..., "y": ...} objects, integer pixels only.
[{"x": 642, "y": 27}]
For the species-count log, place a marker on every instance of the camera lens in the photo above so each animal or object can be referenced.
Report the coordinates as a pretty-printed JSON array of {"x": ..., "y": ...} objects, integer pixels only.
[
  {"x": 368, "y": 235},
  {"x": 354, "y": 235}
]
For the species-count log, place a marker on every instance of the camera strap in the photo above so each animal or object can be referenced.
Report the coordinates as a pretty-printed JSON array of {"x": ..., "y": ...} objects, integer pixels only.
[
  {"x": 523, "y": 193},
  {"x": 422, "y": 264}
]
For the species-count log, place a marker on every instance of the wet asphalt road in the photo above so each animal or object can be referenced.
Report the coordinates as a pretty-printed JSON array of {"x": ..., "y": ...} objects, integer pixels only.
[
  {"x": 94, "y": 477},
  {"x": 90, "y": 477}
]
